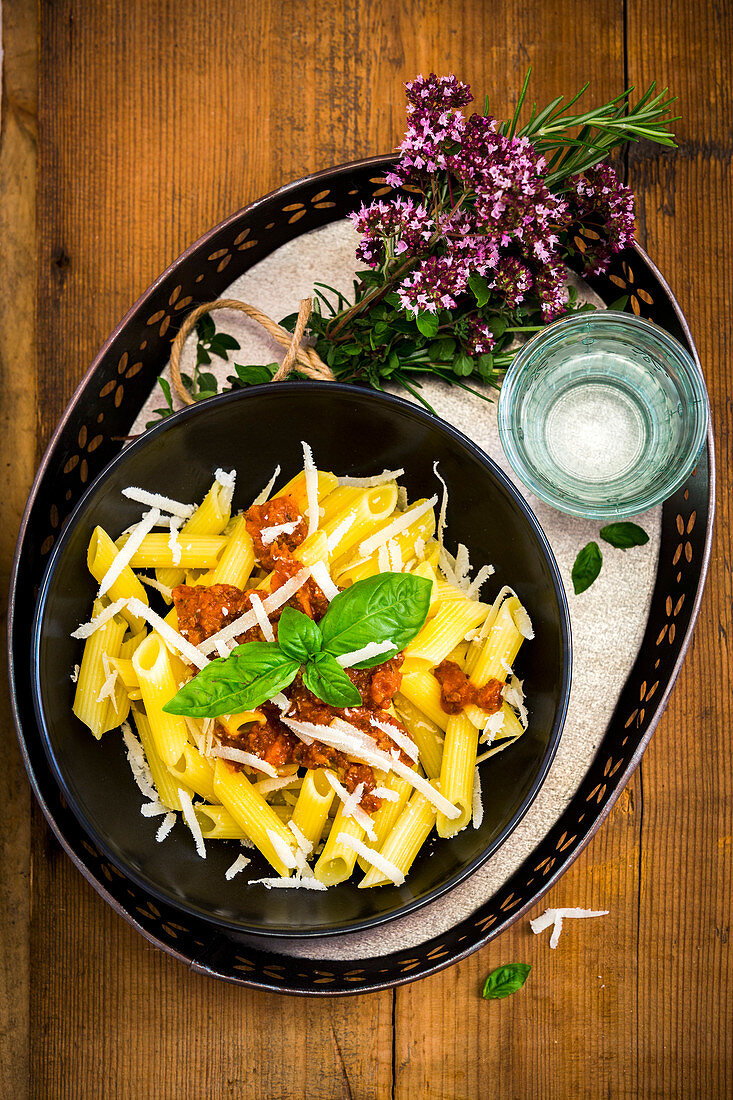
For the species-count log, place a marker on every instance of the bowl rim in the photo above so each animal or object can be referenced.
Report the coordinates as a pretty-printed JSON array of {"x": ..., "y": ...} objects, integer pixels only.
[
  {"x": 358, "y": 394},
  {"x": 524, "y": 469}
]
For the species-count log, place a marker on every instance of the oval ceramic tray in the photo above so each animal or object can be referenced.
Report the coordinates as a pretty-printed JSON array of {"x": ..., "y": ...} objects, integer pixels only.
[{"x": 92, "y": 431}]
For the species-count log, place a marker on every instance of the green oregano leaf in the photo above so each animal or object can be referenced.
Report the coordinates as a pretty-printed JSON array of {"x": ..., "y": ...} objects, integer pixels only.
[
  {"x": 505, "y": 980},
  {"x": 298, "y": 635},
  {"x": 624, "y": 535},
  {"x": 329, "y": 682},
  {"x": 251, "y": 674},
  {"x": 587, "y": 567},
  {"x": 390, "y": 607}
]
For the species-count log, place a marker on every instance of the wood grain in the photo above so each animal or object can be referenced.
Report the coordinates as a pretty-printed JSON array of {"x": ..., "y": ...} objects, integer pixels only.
[{"x": 157, "y": 118}]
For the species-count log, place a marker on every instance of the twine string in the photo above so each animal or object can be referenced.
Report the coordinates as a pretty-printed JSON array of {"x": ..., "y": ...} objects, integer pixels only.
[{"x": 298, "y": 356}]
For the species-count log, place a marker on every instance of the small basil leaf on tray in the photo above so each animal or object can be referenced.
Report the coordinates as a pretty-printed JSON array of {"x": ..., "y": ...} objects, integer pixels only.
[
  {"x": 624, "y": 535},
  {"x": 390, "y": 607},
  {"x": 298, "y": 635},
  {"x": 250, "y": 674},
  {"x": 328, "y": 681},
  {"x": 587, "y": 567},
  {"x": 505, "y": 980}
]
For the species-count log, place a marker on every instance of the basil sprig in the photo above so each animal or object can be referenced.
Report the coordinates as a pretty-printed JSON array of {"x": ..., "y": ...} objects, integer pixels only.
[
  {"x": 505, "y": 980},
  {"x": 390, "y": 607}
]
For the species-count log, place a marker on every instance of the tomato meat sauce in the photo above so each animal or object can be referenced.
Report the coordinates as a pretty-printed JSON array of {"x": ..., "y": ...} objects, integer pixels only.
[
  {"x": 274, "y": 743},
  {"x": 275, "y": 513},
  {"x": 457, "y": 691}
]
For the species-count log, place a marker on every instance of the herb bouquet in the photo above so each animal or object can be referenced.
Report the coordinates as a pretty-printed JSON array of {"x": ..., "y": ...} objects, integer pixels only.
[{"x": 471, "y": 254}]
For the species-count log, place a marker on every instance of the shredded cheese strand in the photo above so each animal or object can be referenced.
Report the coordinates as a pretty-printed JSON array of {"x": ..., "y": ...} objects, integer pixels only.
[
  {"x": 388, "y": 869},
  {"x": 242, "y": 757},
  {"x": 262, "y": 620},
  {"x": 370, "y": 482},
  {"x": 192, "y": 821},
  {"x": 369, "y": 545},
  {"x": 170, "y": 636},
  {"x": 157, "y": 500},
  {"x": 371, "y": 649},
  {"x": 311, "y": 488},
  {"x": 85, "y": 630},
  {"x": 123, "y": 557},
  {"x": 322, "y": 577},
  {"x": 264, "y": 494}
]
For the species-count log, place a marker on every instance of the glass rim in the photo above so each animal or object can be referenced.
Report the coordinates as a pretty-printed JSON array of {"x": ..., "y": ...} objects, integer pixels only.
[{"x": 642, "y": 500}]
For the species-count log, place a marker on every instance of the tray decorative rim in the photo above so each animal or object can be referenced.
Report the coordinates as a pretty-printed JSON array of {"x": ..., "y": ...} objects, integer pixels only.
[{"x": 74, "y": 456}]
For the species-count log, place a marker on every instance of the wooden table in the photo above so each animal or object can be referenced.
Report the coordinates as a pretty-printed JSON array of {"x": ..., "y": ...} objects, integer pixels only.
[{"x": 127, "y": 130}]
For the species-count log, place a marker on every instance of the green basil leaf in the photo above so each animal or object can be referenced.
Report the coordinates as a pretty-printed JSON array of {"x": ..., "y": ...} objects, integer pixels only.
[
  {"x": 505, "y": 980},
  {"x": 624, "y": 535},
  {"x": 390, "y": 607},
  {"x": 480, "y": 287},
  {"x": 587, "y": 567},
  {"x": 250, "y": 674},
  {"x": 427, "y": 323},
  {"x": 328, "y": 681},
  {"x": 298, "y": 636}
]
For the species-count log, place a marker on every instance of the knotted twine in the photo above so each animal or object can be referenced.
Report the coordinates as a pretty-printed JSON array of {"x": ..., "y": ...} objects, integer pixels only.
[{"x": 297, "y": 357}]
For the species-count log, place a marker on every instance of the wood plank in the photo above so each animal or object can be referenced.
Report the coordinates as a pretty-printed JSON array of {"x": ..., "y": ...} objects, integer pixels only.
[
  {"x": 685, "y": 969},
  {"x": 17, "y": 463}
]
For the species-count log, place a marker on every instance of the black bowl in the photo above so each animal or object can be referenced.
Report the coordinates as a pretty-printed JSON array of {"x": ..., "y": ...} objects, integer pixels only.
[{"x": 354, "y": 432}]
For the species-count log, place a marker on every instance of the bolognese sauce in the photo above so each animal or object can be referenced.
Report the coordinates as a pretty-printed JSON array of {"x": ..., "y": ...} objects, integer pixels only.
[{"x": 457, "y": 692}]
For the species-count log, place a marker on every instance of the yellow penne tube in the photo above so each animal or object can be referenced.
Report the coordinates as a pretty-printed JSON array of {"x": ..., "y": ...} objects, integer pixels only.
[
  {"x": 350, "y": 567},
  {"x": 489, "y": 657},
  {"x": 388, "y": 813},
  {"x": 210, "y": 518},
  {"x": 457, "y": 771},
  {"x": 425, "y": 569},
  {"x": 423, "y": 690},
  {"x": 126, "y": 672},
  {"x": 443, "y": 632},
  {"x": 98, "y": 716},
  {"x": 218, "y": 824},
  {"x": 100, "y": 555},
  {"x": 296, "y": 488},
  {"x": 367, "y": 510},
  {"x": 232, "y": 723},
  {"x": 405, "y": 840},
  {"x": 197, "y": 552},
  {"x": 448, "y": 591},
  {"x": 237, "y": 559},
  {"x": 314, "y": 802},
  {"x": 165, "y": 784},
  {"x": 256, "y": 817},
  {"x": 152, "y": 664},
  {"x": 425, "y": 733},
  {"x": 336, "y": 861},
  {"x": 196, "y": 772}
]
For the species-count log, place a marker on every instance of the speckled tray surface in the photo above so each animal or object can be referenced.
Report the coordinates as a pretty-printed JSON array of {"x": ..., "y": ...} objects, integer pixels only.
[{"x": 629, "y": 637}]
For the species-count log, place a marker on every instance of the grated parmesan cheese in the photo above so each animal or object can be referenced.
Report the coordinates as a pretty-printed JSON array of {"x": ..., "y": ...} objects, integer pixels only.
[
  {"x": 153, "y": 809},
  {"x": 478, "y": 581},
  {"x": 371, "y": 482},
  {"x": 151, "y": 582},
  {"x": 351, "y": 807},
  {"x": 405, "y": 743},
  {"x": 87, "y": 629},
  {"x": 227, "y": 482},
  {"x": 311, "y": 488},
  {"x": 524, "y": 623},
  {"x": 371, "y": 649},
  {"x": 303, "y": 843},
  {"x": 383, "y": 559},
  {"x": 174, "y": 543},
  {"x": 368, "y": 546},
  {"x": 402, "y": 501},
  {"x": 123, "y": 557},
  {"x": 443, "y": 505},
  {"x": 75, "y": 674},
  {"x": 322, "y": 577},
  {"x": 555, "y": 917},
  {"x": 138, "y": 764},
  {"x": 264, "y": 494},
  {"x": 388, "y": 869},
  {"x": 107, "y": 690},
  {"x": 463, "y": 566},
  {"x": 239, "y": 864},
  {"x": 386, "y": 793},
  {"x": 244, "y": 622},
  {"x": 395, "y": 556},
  {"x": 477, "y": 806},
  {"x": 171, "y": 637},
  {"x": 420, "y": 548},
  {"x": 339, "y": 531},
  {"x": 493, "y": 724},
  {"x": 262, "y": 620},
  {"x": 283, "y": 850},
  {"x": 167, "y": 824},
  {"x": 293, "y": 883},
  {"x": 241, "y": 757},
  {"x": 192, "y": 821},
  {"x": 156, "y": 500},
  {"x": 513, "y": 693},
  {"x": 267, "y": 786},
  {"x": 269, "y": 534}
]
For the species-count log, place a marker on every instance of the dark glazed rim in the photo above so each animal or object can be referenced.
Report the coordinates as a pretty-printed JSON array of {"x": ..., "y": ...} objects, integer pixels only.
[
  {"x": 637, "y": 712},
  {"x": 436, "y": 425}
]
